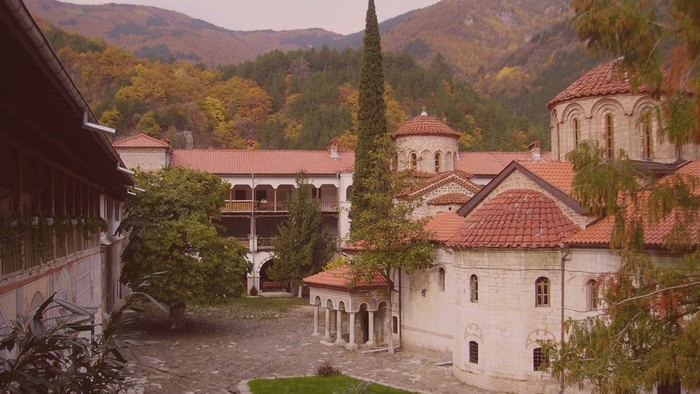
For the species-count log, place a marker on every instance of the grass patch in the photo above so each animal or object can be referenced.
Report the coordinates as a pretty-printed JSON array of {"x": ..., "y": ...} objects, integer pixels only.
[
  {"x": 252, "y": 307},
  {"x": 316, "y": 385}
]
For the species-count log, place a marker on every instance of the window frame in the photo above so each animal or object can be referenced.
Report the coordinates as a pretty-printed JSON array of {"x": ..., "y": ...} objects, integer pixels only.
[
  {"x": 474, "y": 288},
  {"x": 413, "y": 160},
  {"x": 539, "y": 360},
  {"x": 438, "y": 162},
  {"x": 608, "y": 135},
  {"x": 442, "y": 276},
  {"x": 647, "y": 141},
  {"x": 473, "y": 352},
  {"x": 542, "y": 292},
  {"x": 592, "y": 298}
]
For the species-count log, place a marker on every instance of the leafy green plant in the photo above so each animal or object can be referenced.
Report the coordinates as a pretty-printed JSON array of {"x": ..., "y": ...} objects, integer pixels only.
[{"x": 326, "y": 369}]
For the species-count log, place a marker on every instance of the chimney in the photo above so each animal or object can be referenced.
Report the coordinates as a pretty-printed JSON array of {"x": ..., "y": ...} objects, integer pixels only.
[
  {"x": 250, "y": 143},
  {"x": 333, "y": 149},
  {"x": 535, "y": 150}
]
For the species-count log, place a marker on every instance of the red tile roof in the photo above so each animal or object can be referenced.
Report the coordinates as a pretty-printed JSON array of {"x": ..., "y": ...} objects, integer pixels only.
[
  {"x": 443, "y": 226},
  {"x": 267, "y": 162},
  {"x": 600, "y": 233},
  {"x": 516, "y": 218},
  {"x": 449, "y": 199},
  {"x": 141, "y": 141},
  {"x": 491, "y": 163},
  {"x": 600, "y": 81},
  {"x": 425, "y": 125},
  {"x": 437, "y": 181},
  {"x": 556, "y": 173},
  {"x": 342, "y": 278}
]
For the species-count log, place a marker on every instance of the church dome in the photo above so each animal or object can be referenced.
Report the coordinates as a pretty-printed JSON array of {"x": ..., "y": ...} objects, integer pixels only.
[{"x": 425, "y": 125}]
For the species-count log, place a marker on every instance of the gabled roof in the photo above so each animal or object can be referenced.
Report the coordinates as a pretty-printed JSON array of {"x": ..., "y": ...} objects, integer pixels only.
[
  {"x": 444, "y": 178},
  {"x": 602, "y": 80},
  {"x": 550, "y": 181},
  {"x": 491, "y": 163},
  {"x": 443, "y": 226},
  {"x": 425, "y": 125},
  {"x": 556, "y": 173},
  {"x": 515, "y": 218},
  {"x": 141, "y": 141},
  {"x": 342, "y": 279},
  {"x": 264, "y": 162},
  {"x": 600, "y": 233},
  {"x": 449, "y": 199}
]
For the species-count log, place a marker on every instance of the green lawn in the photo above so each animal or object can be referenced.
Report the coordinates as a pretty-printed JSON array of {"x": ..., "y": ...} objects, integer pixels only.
[
  {"x": 251, "y": 307},
  {"x": 316, "y": 385}
]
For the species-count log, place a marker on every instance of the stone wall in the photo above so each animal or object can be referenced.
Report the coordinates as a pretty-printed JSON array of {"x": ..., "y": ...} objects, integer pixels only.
[{"x": 425, "y": 147}]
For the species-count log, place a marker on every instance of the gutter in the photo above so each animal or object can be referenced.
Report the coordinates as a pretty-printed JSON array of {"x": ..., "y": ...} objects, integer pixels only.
[{"x": 566, "y": 254}]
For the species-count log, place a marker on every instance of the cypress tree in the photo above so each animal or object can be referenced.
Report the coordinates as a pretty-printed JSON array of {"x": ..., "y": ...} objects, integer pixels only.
[{"x": 371, "y": 176}]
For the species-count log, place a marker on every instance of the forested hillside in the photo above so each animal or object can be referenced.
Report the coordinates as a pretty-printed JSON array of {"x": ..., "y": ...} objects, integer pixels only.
[{"x": 293, "y": 100}]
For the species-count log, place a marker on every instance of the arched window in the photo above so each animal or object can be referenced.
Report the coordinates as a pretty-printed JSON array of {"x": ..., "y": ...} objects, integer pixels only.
[
  {"x": 441, "y": 278},
  {"x": 542, "y": 291},
  {"x": 646, "y": 136},
  {"x": 577, "y": 131},
  {"x": 414, "y": 160},
  {"x": 449, "y": 163},
  {"x": 592, "y": 295},
  {"x": 474, "y": 288},
  {"x": 473, "y": 352},
  {"x": 540, "y": 362},
  {"x": 609, "y": 131},
  {"x": 438, "y": 163}
]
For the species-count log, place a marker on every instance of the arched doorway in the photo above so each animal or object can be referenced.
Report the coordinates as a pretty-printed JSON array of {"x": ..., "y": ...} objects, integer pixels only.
[{"x": 269, "y": 285}]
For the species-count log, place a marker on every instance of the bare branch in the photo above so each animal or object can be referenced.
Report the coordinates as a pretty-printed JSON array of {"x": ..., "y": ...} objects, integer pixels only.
[{"x": 683, "y": 286}]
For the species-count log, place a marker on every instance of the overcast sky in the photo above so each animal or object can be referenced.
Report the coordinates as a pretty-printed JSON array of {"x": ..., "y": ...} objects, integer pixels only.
[{"x": 340, "y": 16}]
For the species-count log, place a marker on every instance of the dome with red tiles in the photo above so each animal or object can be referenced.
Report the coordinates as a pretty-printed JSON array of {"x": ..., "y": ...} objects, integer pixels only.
[
  {"x": 425, "y": 125},
  {"x": 601, "y": 81},
  {"x": 517, "y": 218}
]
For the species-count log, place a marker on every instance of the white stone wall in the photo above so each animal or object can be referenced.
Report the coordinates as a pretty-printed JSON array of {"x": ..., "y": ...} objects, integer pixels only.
[
  {"x": 425, "y": 147},
  {"x": 147, "y": 159},
  {"x": 627, "y": 111}
]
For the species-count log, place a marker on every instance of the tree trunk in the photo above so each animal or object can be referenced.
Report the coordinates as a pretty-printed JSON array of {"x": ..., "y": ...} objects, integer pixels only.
[
  {"x": 301, "y": 287},
  {"x": 176, "y": 320},
  {"x": 390, "y": 343}
]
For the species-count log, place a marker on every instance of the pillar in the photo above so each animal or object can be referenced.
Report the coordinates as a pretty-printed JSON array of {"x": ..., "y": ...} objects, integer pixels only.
[
  {"x": 316, "y": 333},
  {"x": 370, "y": 341},
  {"x": 351, "y": 341},
  {"x": 327, "y": 337},
  {"x": 339, "y": 328}
]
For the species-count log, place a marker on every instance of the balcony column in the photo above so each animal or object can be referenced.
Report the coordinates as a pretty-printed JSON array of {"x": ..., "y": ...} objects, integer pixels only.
[
  {"x": 327, "y": 337},
  {"x": 316, "y": 333},
  {"x": 274, "y": 199},
  {"x": 370, "y": 322},
  {"x": 339, "y": 328},
  {"x": 351, "y": 326}
]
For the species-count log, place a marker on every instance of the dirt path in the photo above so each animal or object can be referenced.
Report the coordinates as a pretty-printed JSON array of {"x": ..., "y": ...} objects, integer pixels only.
[{"x": 224, "y": 348}]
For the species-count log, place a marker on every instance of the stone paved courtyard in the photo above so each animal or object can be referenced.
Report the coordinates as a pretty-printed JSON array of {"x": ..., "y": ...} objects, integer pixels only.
[{"x": 221, "y": 347}]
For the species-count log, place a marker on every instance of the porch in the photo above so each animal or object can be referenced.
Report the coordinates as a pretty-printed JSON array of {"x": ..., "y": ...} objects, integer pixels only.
[{"x": 265, "y": 206}]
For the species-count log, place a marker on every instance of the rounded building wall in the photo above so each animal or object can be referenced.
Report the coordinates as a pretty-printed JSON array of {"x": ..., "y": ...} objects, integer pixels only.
[
  {"x": 433, "y": 153},
  {"x": 628, "y": 122}
]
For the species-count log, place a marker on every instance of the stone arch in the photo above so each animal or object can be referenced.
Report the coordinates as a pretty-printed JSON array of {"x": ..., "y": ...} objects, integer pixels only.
[
  {"x": 413, "y": 160},
  {"x": 266, "y": 283},
  {"x": 425, "y": 159},
  {"x": 348, "y": 193},
  {"x": 536, "y": 337},
  {"x": 317, "y": 300},
  {"x": 329, "y": 303},
  {"x": 449, "y": 161},
  {"x": 341, "y": 306},
  {"x": 438, "y": 161},
  {"x": 37, "y": 300},
  {"x": 599, "y": 111},
  {"x": 473, "y": 331}
]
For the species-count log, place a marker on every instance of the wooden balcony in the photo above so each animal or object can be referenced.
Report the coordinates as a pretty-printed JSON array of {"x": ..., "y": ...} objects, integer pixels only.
[{"x": 264, "y": 206}]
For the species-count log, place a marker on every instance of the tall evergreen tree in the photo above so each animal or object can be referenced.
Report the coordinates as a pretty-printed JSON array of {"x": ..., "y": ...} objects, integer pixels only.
[
  {"x": 303, "y": 246},
  {"x": 371, "y": 160}
]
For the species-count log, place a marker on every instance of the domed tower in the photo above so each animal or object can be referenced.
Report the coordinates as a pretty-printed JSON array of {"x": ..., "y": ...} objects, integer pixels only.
[
  {"x": 600, "y": 106},
  {"x": 425, "y": 144}
]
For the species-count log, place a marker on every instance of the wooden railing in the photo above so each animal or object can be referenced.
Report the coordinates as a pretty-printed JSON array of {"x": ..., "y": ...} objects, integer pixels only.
[{"x": 241, "y": 206}]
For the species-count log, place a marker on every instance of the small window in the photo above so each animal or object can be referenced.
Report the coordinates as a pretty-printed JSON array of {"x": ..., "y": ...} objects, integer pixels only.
[
  {"x": 542, "y": 292},
  {"x": 609, "y": 131},
  {"x": 473, "y": 352},
  {"x": 441, "y": 279},
  {"x": 438, "y": 160},
  {"x": 540, "y": 362},
  {"x": 592, "y": 295},
  {"x": 395, "y": 324},
  {"x": 646, "y": 136},
  {"x": 474, "y": 288},
  {"x": 577, "y": 132},
  {"x": 414, "y": 161}
]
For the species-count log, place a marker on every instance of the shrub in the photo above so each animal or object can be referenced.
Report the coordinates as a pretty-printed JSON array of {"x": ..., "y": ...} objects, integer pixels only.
[{"x": 326, "y": 369}]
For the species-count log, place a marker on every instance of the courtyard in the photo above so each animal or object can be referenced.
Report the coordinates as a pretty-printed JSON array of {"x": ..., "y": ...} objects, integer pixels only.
[{"x": 265, "y": 337}]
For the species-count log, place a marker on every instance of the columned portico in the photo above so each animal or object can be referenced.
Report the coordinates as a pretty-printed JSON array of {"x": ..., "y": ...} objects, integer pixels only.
[{"x": 332, "y": 289}]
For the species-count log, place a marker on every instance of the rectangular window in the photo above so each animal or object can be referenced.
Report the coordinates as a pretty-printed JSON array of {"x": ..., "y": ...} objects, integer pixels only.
[
  {"x": 540, "y": 362},
  {"x": 542, "y": 292},
  {"x": 473, "y": 352},
  {"x": 474, "y": 288},
  {"x": 395, "y": 325},
  {"x": 609, "y": 130},
  {"x": 646, "y": 136}
]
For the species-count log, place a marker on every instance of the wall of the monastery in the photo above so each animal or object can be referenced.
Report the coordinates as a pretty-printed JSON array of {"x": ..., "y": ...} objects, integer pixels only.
[
  {"x": 146, "y": 159},
  {"x": 422, "y": 209},
  {"x": 627, "y": 111},
  {"x": 78, "y": 280},
  {"x": 425, "y": 147}
]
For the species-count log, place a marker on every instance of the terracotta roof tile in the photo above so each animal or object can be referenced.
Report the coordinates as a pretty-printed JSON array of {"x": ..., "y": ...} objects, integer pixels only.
[
  {"x": 425, "y": 125},
  {"x": 516, "y": 218},
  {"x": 342, "y": 278},
  {"x": 600, "y": 81},
  {"x": 599, "y": 233},
  {"x": 141, "y": 141},
  {"x": 443, "y": 226},
  {"x": 556, "y": 173},
  {"x": 491, "y": 163},
  {"x": 437, "y": 181},
  {"x": 248, "y": 161},
  {"x": 449, "y": 199}
]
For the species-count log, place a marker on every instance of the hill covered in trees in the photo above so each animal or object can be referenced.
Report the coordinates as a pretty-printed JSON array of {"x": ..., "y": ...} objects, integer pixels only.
[{"x": 293, "y": 100}]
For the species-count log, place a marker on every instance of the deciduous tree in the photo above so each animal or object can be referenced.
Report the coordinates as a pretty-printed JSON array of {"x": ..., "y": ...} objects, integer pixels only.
[{"x": 171, "y": 230}]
